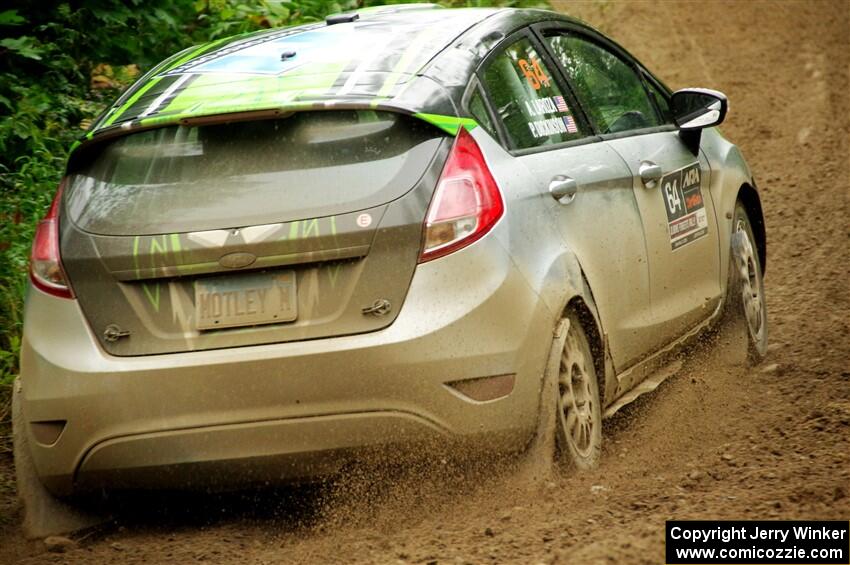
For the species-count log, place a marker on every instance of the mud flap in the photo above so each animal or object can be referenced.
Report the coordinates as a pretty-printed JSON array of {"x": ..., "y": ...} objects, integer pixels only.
[
  {"x": 537, "y": 465},
  {"x": 648, "y": 385}
]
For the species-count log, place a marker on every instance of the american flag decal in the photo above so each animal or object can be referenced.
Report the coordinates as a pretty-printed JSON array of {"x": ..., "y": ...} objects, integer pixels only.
[
  {"x": 561, "y": 104},
  {"x": 571, "y": 124}
]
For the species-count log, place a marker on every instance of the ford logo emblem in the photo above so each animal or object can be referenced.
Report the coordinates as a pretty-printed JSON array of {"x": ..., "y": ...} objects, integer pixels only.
[{"x": 237, "y": 260}]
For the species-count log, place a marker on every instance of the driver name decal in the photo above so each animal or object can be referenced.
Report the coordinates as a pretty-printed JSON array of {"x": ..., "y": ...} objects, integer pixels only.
[
  {"x": 552, "y": 126},
  {"x": 686, "y": 216},
  {"x": 548, "y": 126}
]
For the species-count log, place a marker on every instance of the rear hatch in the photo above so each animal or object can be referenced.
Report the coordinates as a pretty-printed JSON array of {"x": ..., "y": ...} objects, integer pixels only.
[{"x": 206, "y": 236}]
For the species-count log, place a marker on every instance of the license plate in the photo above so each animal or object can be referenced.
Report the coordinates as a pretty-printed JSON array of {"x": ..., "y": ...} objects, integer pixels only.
[{"x": 245, "y": 300}]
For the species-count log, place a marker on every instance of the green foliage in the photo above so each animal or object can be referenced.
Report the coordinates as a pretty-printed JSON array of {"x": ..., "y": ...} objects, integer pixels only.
[
  {"x": 61, "y": 63},
  {"x": 227, "y": 17}
]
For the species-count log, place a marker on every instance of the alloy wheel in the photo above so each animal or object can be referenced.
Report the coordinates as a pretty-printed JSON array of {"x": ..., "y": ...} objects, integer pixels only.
[
  {"x": 751, "y": 288},
  {"x": 575, "y": 396}
]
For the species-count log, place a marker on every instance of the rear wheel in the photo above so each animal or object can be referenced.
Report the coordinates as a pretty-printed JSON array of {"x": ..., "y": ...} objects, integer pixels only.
[
  {"x": 579, "y": 423},
  {"x": 745, "y": 296},
  {"x": 44, "y": 514}
]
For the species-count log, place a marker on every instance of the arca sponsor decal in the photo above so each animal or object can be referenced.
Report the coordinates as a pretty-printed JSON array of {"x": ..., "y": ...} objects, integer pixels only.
[{"x": 683, "y": 201}]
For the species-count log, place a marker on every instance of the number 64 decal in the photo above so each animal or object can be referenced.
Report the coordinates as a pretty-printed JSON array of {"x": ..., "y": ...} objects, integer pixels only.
[
  {"x": 671, "y": 193},
  {"x": 534, "y": 73}
]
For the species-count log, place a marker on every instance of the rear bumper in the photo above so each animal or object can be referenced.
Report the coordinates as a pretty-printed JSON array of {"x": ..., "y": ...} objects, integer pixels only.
[{"x": 291, "y": 410}]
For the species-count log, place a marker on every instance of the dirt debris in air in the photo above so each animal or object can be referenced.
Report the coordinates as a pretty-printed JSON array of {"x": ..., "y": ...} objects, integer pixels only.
[{"x": 715, "y": 441}]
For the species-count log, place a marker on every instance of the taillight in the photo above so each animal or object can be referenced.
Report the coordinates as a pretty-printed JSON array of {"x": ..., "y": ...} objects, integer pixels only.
[
  {"x": 466, "y": 204},
  {"x": 46, "y": 269}
]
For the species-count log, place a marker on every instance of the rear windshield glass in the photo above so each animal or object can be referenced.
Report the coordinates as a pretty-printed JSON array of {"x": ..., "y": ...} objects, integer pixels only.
[{"x": 191, "y": 178}]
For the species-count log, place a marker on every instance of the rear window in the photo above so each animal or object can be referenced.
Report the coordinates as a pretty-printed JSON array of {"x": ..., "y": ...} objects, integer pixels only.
[{"x": 307, "y": 165}]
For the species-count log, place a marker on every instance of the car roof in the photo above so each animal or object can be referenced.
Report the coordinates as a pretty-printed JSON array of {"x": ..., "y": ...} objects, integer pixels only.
[{"x": 393, "y": 57}]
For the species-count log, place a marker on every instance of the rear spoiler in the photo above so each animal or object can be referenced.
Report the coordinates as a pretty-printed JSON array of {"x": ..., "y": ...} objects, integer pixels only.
[{"x": 449, "y": 124}]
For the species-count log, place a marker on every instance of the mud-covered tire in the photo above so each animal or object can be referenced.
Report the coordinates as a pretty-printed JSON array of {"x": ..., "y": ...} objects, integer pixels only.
[
  {"x": 579, "y": 413},
  {"x": 745, "y": 303},
  {"x": 44, "y": 513}
]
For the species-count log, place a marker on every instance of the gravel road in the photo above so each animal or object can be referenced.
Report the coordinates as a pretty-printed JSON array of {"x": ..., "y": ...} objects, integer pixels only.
[{"x": 715, "y": 441}]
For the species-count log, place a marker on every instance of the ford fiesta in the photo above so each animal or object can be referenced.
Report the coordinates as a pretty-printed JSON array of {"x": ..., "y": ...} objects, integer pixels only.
[{"x": 390, "y": 228}]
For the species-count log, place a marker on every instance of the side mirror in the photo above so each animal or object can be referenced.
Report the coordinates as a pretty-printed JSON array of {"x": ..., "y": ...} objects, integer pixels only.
[{"x": 698, "y": 108}]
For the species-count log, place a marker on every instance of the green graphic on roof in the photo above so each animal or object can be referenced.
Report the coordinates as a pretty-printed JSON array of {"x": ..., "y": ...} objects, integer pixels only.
[{"x": 369, "y": 62}]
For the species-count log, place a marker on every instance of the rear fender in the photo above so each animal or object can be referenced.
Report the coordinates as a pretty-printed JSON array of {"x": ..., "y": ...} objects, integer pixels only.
[
  {"x": 538, "y": 251},
  {"x": 564, "y": 288},
  {"x": 579, "y": 299}
]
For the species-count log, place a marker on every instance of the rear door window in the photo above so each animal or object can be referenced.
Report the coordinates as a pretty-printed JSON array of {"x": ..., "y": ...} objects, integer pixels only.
[
  {"x": 610, "y": 89},
  {"x": 528, "y": 100}
]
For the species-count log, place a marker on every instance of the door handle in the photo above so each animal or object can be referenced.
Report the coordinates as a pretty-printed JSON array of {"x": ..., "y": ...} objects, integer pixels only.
[
  {"x": 563, "y": 189},
  {"x": 650, "y": 173}
]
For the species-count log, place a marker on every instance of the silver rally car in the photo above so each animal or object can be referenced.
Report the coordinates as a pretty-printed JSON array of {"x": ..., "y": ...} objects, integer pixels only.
[{"x": 384, "y": 230}]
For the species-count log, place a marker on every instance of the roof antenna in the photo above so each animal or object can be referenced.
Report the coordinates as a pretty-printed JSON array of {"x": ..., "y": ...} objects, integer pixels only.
[{"x": 341, "y": 19}]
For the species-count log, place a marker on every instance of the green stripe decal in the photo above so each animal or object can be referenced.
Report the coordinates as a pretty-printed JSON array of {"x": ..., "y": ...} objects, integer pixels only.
[
  {"x": 196, "y": 52},
  {"x": 450, "y": 124},
  {"x": 116, "y": 113}
]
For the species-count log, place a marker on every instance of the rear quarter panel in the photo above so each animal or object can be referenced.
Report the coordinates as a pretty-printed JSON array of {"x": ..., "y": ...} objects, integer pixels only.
[{"x": 532, "y": 240}]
